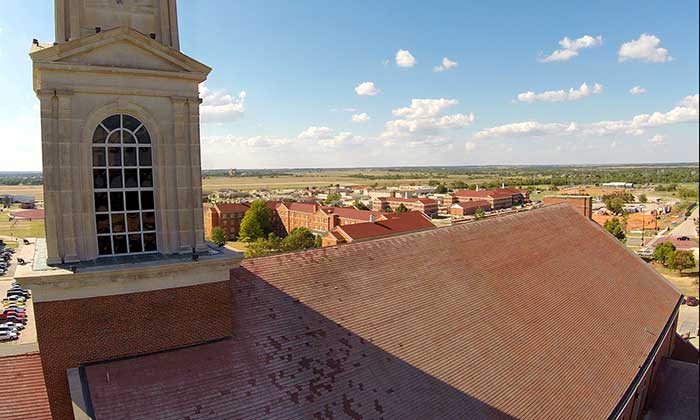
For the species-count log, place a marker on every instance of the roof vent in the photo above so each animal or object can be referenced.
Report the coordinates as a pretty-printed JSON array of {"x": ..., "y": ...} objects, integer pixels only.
[{"x": 372, "y": 219}]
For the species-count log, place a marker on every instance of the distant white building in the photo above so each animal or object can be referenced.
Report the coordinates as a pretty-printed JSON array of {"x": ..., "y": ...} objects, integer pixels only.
[{"x": 618, "y": 184}]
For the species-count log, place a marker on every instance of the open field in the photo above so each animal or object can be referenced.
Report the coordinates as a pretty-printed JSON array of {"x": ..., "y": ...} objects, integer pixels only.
[
  {"x": 21, "y": 228},
  {"x": 687, "y": 282},
  {"x": 35, "y": 190}
]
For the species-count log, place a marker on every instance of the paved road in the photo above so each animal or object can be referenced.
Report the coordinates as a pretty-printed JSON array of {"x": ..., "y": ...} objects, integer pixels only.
[
  {"x": 687, "y": 228},
  {"x": 688, "y": 322}
]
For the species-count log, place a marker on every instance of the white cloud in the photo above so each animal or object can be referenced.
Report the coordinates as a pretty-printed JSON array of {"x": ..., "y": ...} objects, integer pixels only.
[
  {"x": 638, "y": 90},
  {"x": 219, "y": 106},
  {"x": 646, "y": 48},
  {"x": 360, "y": 118},
  {"x": 658, "y": 139},
  {"x": 325, "y": 137},
  {"x": 405, "y": 59},
  {"x": 367, "y": 89},
  {"x": 686, "y": 111},
  {"x": 423, "y": 122},
  {"x": 469, "y": 147},
  {"x": 570, "y": 48},
  {"x": 561, "y": 95},
  {"x": 446, "y": 65},
  {"x": 314, "y": 133}
]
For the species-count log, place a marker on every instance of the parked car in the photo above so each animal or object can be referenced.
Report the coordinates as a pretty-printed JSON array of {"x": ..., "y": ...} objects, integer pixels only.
[
  {"x": 15, "y": 308},
  {"x": 15, "y": 292},
  {"x": 691, "y": 301},
  {"x": 16, "y": 325},
  {"x": 8, "y": 336},
  {"x": 12, "y": 318}
]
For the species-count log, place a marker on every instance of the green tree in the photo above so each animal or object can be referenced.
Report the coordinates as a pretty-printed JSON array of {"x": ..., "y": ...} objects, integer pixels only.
[
  {"x": 479, "y": 214},
  {"x": 257, "y": 222},
  {"x": 360, "y": 205},
  {"x": 401, "y": 208},
  {"x": 441, "y": 188},
  {"x": 218, "y": 235},
  {"x": 662, "y": 251},
  {"x": 332, "y": 198},
  {"x": 616, "y": 229},
  {"x": 298, "y": 239},
  {"x": 680, "y": 260},
  {"x": 643, "y": 198},
  {"x": 263, "y": 247},
  {"x": 614, "y": 203}
]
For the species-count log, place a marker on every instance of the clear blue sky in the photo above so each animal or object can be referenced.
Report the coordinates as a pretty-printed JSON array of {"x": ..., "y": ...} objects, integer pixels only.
[{"x": 300, "y": 62}]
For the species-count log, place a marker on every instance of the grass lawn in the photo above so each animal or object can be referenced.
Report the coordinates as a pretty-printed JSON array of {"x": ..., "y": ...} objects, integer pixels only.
[
  {"x": 687, "y": 282},
  {"x": 237, "y": 246},
  {"x": 21, "y": 228}
]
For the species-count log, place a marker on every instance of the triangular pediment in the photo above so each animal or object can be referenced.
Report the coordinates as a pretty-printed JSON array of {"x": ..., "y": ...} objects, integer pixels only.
[{"x": 120, "y": 48}]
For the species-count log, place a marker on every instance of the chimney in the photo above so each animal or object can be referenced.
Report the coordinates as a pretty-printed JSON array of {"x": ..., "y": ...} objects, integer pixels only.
[
  {"x": 372, "y": 219},
  {"x": 335, "y": 221}
]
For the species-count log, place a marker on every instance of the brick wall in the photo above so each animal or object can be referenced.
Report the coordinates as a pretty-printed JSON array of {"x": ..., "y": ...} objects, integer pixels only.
[
  {"x": 93, "y": 329},
  {"x": 582, "y": 204}
]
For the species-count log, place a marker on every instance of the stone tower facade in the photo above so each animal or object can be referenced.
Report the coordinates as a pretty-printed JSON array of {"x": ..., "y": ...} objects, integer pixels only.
[
  {"x": 124, "y": 269},
  {"x": 120, "y": 132}
]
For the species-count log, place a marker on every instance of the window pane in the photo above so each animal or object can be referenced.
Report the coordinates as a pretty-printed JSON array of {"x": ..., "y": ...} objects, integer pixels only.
[
  {"x": 149, "y": 242},
  {"x": 149, "y": 221},
  {"x": 115, "y": 156},
  {"x": 115, "y": 137},
  {"x": 112, "y": 123},
  {"x": 102, "y": 221},
  {"x": 131, "y": 179},
  {"x": 142, "y": 136},
  {"x": 98, "y": 156},
  {"x": 118, "y": 223},
  {"x": 135, "y": 243},
  {"x": 104, "y": 245},
  {"x": 101, "y": 202},
  {"x": 117, "y": 201},
  {"x": 99, "y": 178},
  {"x": 145, "y": 156},
  {"x": 133, "y": 221},
  {"x": 147, "y": 200},
  {"x": 132, "y": 200},
  {"x": 120, "y": 244},
  {"x": 128, "y": 138},
  {"x": 129, "y": 156},
  {"x": 146, "y": 178},
  {"x": 100, "y": 135},
  {"x": 130, "y": 122},
  {"x": 115, "y": 178}
]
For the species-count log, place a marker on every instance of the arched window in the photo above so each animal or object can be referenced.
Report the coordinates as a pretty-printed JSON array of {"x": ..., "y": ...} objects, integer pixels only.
[{"x": 122, "y": 167}]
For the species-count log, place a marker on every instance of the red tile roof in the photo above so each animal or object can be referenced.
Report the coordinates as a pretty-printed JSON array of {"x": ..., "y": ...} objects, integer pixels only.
[
  {"x": 23, "y": 389},
  {"x": 352, "y": 213},
  {"x": 228, "y": 208},
  {"x": 396, "y": 223},
  {"x": 483, "y": 193},
  {"x": 446, "y": 323},
  {"x": 302, "y": 207}
]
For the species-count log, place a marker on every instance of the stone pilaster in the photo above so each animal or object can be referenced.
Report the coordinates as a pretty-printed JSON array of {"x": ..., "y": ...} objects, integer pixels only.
[
  {"x": 51, "y": 171},
  {"x": 195, "y": 163},
  {"x": 69, "y": 161},
  {"x": 180, "y": 143}
]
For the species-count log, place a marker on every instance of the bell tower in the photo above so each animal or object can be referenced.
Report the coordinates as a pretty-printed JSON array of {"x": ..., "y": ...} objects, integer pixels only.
[
  {"x": 155, "y": 18},
  {"x": 124, "y": 263}
]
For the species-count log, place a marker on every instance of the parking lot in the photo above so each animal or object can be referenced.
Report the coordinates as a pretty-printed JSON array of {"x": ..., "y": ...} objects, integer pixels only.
[{"x": 27, "y": 341}]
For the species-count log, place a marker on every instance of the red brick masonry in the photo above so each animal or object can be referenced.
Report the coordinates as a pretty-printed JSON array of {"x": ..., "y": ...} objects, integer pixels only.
[{"x": 86, "y": 330}]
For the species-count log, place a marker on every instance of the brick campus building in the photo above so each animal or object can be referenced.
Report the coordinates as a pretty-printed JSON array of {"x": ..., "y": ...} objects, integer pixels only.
[
  {"x": 147, "y": 320},
  {"x": 320, "y": 219},
  {"x": 228, "y": 216},
  {"x": 427, "y": 206}
]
